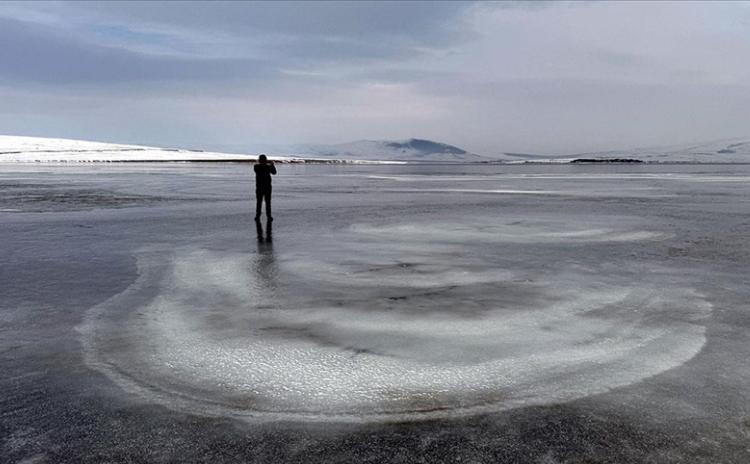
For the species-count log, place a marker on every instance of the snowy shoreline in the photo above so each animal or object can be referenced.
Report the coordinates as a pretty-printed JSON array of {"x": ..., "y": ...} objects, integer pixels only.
[
  {"x": 285, "y": 160},
  {"x": 20, "y": 149}
]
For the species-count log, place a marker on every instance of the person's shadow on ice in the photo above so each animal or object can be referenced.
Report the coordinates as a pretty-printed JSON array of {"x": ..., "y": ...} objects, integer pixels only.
[
  {"x": 265, "y": 264},
  {"x": 266, "y": 238}
]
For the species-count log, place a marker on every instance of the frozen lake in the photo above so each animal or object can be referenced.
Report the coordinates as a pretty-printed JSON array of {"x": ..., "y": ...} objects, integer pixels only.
[{"x": 391, "y": 314}]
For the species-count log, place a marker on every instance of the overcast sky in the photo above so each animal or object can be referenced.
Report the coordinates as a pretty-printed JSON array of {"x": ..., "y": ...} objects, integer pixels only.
[{"x": 522, "y": 77}]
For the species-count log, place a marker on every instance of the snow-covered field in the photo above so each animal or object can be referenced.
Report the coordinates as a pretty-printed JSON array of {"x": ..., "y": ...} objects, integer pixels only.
[
  {"x": 17, "y": 149},
  {"x": 591, "y": 312}
]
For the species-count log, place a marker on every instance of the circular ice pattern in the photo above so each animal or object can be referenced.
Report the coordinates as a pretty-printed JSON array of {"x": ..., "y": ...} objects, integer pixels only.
[{"x": 351, "y": 335}]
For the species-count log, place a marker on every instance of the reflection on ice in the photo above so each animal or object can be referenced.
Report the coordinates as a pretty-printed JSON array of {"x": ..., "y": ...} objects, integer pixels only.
[{"x": 388, "y": 322}]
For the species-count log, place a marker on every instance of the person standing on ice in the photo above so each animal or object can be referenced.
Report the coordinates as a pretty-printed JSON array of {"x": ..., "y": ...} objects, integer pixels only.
[{"x": 263, "y": 170}]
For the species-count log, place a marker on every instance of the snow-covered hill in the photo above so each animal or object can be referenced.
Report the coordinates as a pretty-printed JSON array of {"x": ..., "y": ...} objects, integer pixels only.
[
  {"x": 411, "y": 150},
  {"x": 40, "y": 149}
]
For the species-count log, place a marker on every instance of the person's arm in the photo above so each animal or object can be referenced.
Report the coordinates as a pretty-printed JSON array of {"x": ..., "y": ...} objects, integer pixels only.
[{"x": 273, "y": 168}]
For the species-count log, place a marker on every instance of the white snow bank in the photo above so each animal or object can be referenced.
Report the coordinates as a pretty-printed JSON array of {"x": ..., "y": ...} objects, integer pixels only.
[
  {"x": 17, "y": 149},
  {"x": 38, "y": 149}
]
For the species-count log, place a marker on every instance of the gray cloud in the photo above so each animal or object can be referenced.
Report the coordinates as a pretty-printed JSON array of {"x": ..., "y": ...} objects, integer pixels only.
[
  {"x": 424, "y": 23},
  {"x": 547, "y": 77},
  {"x": 32, "y": 53},
  {"x": 307, "y": 31}
]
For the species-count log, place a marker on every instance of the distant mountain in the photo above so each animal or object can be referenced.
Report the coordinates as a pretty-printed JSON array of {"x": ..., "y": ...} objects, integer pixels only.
[
  {"x": 426, "y": 147},
  {"x": 411, "y": 150}
]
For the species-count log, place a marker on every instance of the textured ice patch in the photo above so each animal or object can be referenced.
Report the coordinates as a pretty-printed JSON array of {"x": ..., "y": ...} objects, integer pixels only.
[
  {"x": 230, "y": 334},
  {"x": 551, "y": 230},
  {"x": 394, "y": 274},
  {"x": 583, "y": 177},
  {"x": 489, "y": 191}
]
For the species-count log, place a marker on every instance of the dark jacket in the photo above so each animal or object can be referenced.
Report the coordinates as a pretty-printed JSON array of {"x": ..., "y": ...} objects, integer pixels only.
[{"x": 263, "y": 175}]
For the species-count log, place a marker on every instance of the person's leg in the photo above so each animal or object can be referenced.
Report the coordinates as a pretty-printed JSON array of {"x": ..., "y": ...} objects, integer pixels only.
[
  {"x": 268, "y": 205},
  {"x": 258, "y": 203}
]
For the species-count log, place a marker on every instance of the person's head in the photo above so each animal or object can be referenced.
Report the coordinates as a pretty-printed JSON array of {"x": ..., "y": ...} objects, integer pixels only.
[{"x": 262, "y": 159}]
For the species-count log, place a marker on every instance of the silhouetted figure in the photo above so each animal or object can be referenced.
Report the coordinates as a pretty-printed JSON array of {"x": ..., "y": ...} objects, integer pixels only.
[{"x": 263, "y": 170}]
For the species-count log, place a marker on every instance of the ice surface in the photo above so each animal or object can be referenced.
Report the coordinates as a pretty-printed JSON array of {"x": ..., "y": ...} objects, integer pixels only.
[{"x": 606, "y": 322}]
